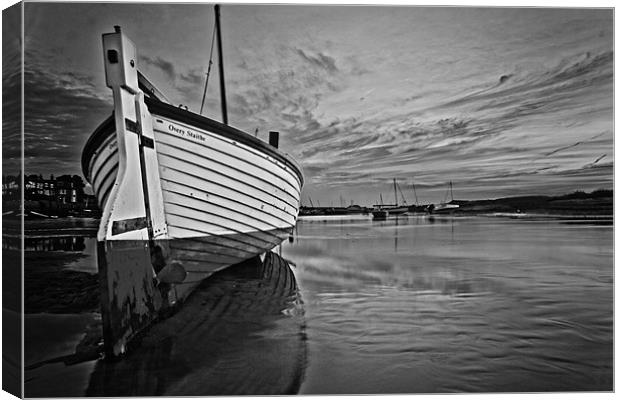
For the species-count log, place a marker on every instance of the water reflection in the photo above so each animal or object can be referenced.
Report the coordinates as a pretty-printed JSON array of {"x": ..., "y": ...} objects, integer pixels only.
[
  {"x": 58, "y": 243},
  {"x": 240, "y": 332},
  {"x": 456, "y": 304}
]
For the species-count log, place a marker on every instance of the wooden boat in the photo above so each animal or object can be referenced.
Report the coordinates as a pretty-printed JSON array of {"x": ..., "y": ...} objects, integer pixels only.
[{"x": 182, "y": 196}]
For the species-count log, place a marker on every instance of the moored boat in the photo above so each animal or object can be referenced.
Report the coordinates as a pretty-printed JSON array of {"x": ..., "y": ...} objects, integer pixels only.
[
  {"x": 182, "y": 196},
  {"x": 380, "y": 214},
  {"x": 382, "y": 211},
  {"x": 445, "y": 207}
]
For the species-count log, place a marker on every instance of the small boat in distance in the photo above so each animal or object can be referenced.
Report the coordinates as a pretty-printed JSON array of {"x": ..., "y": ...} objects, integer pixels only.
[
  {"x": 379, "y": 213},
  {"x": 182, "y": 195},
  {"x": 382, "y": 211},
  {"x": 444, "y": 207}
]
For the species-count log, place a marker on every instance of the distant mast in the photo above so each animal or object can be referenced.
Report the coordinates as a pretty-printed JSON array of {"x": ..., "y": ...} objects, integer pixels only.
[
  {"x": 415, "y": 194},
  {"x": 395, "y": 197},
  {"x": 221, "y": 64},
  {"x": 451, "y": 195}
]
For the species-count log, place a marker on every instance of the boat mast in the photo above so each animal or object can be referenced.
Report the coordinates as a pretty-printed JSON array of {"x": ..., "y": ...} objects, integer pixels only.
[
  {"x": 395, "y": 198},
  {"x": 221, "y": 64},
  {"x": 451, "y": 196}
]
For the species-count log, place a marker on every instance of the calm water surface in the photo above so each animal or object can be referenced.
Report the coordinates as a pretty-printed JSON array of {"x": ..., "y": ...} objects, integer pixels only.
[
  {"x": 429, "y": 305},
  {"x": 408, "y": 305}
]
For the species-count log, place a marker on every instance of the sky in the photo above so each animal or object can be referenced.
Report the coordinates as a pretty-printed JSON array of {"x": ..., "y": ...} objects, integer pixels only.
[{"x": 499, "y": 101}]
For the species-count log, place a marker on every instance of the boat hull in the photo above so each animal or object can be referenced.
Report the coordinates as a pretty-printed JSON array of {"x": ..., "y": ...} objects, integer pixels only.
[
  {"x": 236, "y": 197},
  {"x": 379, "y": 215},
  {"x": 211, "y": 184},
  {"x": 226, "y": 197},
  {"x": 444, "y": 208}
]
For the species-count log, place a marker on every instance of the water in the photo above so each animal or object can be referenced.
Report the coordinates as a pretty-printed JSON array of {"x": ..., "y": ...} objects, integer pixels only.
[
  {"x": 421, "y": 305},
  {"x": 408, "y": 305}
]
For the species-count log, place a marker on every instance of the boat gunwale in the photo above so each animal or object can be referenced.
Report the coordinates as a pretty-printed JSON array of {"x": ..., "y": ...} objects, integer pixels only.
[{"x": 158, "y": 108}]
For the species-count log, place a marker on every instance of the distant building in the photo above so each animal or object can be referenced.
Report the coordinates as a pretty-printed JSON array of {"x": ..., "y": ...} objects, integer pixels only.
[
  {"x": 66, "y": 189},
  {"x": 10, "y": 187},
  {"x": 59, "y": 196}
]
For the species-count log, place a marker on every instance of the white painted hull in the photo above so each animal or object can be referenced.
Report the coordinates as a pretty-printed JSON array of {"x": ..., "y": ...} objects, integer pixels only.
[
  {"x": 444, "y": 208},
  {"x": 211, "y": 188},
  {"x": 224, "y": 201}
]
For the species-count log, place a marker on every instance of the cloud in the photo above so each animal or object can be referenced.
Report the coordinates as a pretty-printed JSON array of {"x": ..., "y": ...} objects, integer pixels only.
[
  {"x": 61, "y": 111},
  {"x": 320, "y": 60},
  {"x": 575, "y": 144},
  {"x": 166, "y": 66},
  {"x": 11, "y": 120},
  {"x": 529, "y": 92}
]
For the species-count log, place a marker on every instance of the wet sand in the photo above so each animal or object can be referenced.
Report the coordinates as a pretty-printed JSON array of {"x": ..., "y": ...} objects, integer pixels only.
[{"x": 240, "y": 332}]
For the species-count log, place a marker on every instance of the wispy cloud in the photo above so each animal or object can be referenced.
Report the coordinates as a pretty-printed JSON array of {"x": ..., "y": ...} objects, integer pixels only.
[
  {"x": 496, "y": 100},
  {"x": 319, "y": 59},
  {"x": 165, "y": 66},
  {"x": 574, "y": 144},
  {"x": 61, "y": 110}
]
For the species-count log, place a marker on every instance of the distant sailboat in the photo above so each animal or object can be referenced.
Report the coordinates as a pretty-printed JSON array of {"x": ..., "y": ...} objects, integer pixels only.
[
  {"x": 444, "y": 207},
  {"x": 380, "y": 213},
  {"x": 398, "y": 208},
  {"x": 383, "y": 211}
]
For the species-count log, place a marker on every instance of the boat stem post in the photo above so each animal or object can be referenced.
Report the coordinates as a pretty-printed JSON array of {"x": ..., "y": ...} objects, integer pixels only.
[{"x": 133, "y": 216}]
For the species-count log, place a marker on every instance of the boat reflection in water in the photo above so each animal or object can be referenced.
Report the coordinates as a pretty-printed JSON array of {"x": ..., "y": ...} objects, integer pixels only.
[{"x": 240, "y": 332}]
